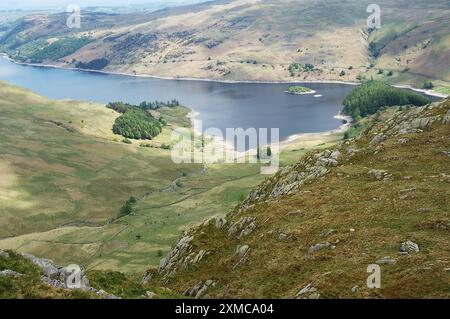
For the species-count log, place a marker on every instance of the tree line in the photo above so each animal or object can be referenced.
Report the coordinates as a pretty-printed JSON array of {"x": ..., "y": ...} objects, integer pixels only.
[{"x": 372, "y": 95}]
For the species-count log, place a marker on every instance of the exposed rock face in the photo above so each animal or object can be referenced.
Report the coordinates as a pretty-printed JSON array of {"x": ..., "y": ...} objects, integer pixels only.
[
  {"x": 409, "y": 247},
  {"x": 55, "y": 275},
  {"x": 290, "y": 179},
  {"x": 181, "y": 257},
  {"x": 58, "y": 276},
  {"x": 243, "y": 227},
  {"x": 171, "y": 262}
]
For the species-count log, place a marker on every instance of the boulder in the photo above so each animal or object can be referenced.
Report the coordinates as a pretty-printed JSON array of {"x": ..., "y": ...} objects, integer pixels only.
[{"x": 409, "y": 247}]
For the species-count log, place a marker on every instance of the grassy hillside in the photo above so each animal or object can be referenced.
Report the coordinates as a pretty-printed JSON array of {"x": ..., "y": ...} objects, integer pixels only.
[
  {"x": 65, "y": 177},
  {"x": 312, "y": 230},
  {"x": 254, "y": 40}
]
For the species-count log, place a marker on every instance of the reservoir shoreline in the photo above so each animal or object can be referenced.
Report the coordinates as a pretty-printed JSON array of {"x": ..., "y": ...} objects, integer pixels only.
[{"x": 426, "y": 92}]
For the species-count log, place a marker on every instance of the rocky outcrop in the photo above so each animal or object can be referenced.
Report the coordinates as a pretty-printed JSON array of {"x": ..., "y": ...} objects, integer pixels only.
[
  {"x": 199, "y": 290},
  {"x": 290, "y": 179},
  {"x": 58, "y": 277},
  {"x": 253, "y": 221},
  {"x": 243, "y": 227}
]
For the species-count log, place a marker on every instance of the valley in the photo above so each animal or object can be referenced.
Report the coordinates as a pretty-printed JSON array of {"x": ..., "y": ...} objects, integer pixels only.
[
  {"x": 225, "y": 149},
  {"x": 67, "y": 176}
]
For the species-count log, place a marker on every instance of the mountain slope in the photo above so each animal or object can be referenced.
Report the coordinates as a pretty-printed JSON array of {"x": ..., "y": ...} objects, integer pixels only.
[
  {"x": 313, "y": 229},
  {"x": 254, "y": 40}
]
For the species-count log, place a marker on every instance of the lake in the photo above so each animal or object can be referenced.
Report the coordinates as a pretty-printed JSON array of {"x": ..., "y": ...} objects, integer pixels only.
[{"x": 219, "y": 105}]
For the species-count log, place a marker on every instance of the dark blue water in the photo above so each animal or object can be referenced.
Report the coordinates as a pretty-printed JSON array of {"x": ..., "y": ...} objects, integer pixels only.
[{"x": 221, "y": 105}]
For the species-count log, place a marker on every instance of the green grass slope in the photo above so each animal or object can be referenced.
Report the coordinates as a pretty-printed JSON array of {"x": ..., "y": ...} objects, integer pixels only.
[{"x": 322, "y": 222}]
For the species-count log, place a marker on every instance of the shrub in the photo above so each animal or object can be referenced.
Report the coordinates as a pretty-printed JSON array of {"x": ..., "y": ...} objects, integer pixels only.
[
  {"x": 428, "y": 85},
  {"x": 128, "y": 207}
]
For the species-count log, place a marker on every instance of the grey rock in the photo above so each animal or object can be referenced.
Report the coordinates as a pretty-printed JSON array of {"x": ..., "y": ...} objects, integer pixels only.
[
  {"x": 378, "y": 174},
  {"x": 241, "y": 251},
  {"x": 409, "y": 247},
  {"x": 282, "y": 236},
  {"x": 8, "y": 272},
  {"x": 335, "y": 154},
  {"x": 150, "y": 295},
  {"x": 308, "y": 292},
  {"x": 243, "y": 227},
  {"x": 355, "y": 288},
  {"x": 55, "y": 275},
  {"x": 173, "y": 260},
  {"x": 327, "y": 233},
  {"x": 220, "y": 222},
  {"x": 4, "y": 254},
  {"x": 199, "y": 290},
  {"x": 199, "y": 256},
  {"x": 446, "y": 119},
  {"x": 327, "y": 162},
  {"x": 377, "y": 140},
  {"x": 386, "y": 261},
  {"x": 318, "y": 247}
]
